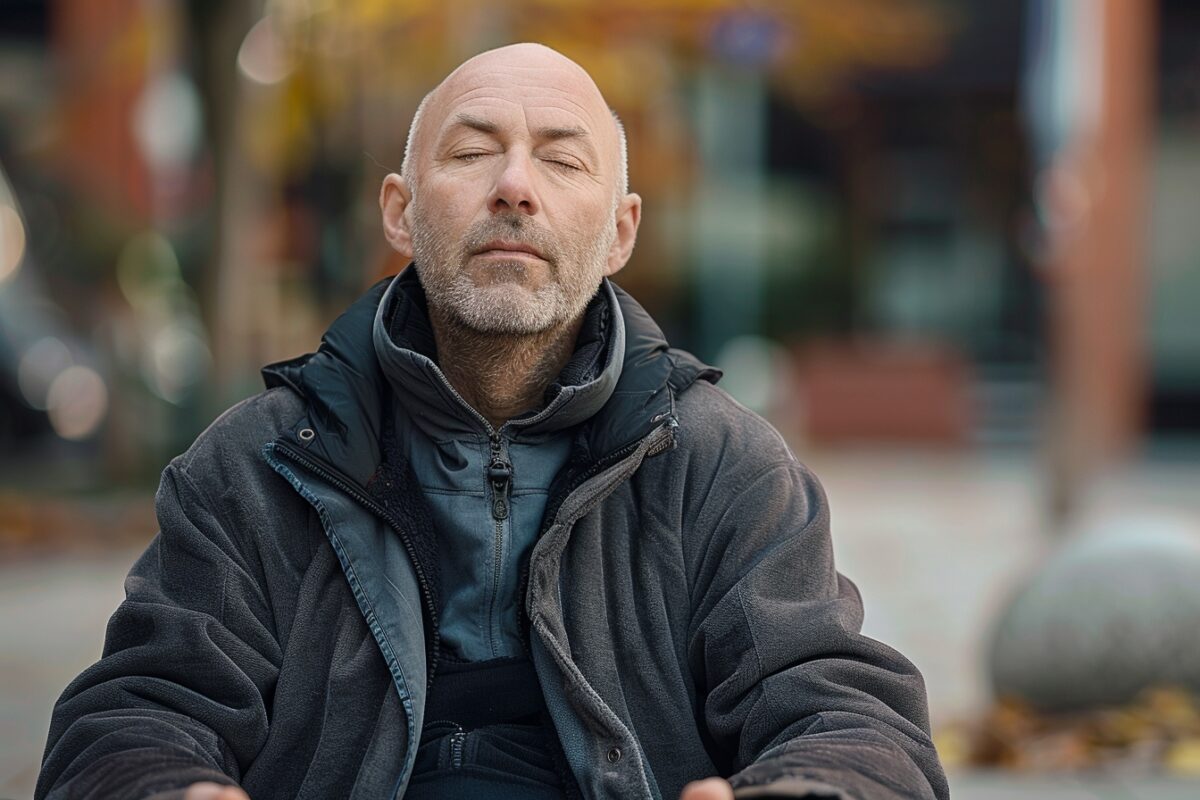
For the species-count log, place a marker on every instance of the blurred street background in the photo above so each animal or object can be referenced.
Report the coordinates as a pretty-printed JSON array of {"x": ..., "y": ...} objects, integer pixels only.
[{"x": 950, "y": 248}]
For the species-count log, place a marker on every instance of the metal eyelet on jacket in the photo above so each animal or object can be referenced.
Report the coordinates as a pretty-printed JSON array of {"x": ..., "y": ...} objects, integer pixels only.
[
  {"x": 614, "y": 755},
  {"x": 306, "y": 434}
]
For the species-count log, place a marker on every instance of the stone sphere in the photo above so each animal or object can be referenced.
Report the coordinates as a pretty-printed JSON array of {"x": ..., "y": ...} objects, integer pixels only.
[{"x": 1113, "y": 612}]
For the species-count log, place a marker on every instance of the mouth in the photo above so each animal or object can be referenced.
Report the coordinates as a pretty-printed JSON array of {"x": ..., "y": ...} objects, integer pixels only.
[{"x": 505, "y": 248}]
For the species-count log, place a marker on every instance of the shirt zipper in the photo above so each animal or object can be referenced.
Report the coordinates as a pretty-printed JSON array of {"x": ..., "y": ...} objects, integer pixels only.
[{"x": 500, "y": 477}]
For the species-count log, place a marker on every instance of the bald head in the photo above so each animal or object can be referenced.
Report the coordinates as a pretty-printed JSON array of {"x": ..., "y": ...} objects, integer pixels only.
[{"x": 533, "y": 65}]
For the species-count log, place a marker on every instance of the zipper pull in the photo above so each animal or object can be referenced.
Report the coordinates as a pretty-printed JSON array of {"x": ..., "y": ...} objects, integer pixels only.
[
  {"x": 457, "y": 740},
  {"x": 500, "y": 476}
]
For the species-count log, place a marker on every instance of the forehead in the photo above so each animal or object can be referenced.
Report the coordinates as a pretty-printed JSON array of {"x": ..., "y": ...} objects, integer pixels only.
[{"x": 527, "y": 93}]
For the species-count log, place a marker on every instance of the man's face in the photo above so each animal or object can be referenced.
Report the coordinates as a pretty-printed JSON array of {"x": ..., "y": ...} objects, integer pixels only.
[{"x": 514, "y": 195}]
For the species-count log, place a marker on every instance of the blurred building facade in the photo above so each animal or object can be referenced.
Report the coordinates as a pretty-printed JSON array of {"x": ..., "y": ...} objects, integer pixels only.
[{"x": 978, "y": 211}]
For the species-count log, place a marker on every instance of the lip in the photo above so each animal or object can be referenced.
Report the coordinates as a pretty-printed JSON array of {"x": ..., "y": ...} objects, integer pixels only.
[{"x": 502, "y": 247}]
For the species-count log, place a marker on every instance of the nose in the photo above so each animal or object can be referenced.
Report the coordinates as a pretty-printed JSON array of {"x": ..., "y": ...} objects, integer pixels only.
[{"x": 514, "y": 189}]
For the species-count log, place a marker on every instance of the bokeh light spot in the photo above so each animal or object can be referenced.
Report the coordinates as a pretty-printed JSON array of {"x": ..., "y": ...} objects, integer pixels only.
[
  {"x": 39, "y": 366},
  {"x": 146, "y": 268},
  {"x": 12, "y": 241},
  {"x": 178, "y": 360},
  {"x": 77, "y": 402},
  {"x": 261, "y": 57},
  {"x": 167, "y": 120}
]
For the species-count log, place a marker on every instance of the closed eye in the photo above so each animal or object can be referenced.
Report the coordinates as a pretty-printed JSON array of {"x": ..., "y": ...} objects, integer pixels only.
[
  {"x": 569, "y": 165},
  {"x": 469, "y": 157}
]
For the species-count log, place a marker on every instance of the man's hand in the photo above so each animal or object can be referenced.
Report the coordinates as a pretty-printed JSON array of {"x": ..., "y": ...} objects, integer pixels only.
[
  {"x": 707, "y": 789},
  {"x": 206, "y": 790}
]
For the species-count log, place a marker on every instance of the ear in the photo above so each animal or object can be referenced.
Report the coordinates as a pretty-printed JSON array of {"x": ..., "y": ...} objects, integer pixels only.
[
  {"x": 394, "y": 200},
  {"x": 629, "y": 216}
]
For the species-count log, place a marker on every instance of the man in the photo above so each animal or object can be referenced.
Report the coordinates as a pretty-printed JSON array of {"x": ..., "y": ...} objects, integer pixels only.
[{"x": 495, "y": 538}]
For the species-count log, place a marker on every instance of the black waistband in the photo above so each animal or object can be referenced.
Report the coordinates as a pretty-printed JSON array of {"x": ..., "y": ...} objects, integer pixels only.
[{"x": 479, "y": 693}]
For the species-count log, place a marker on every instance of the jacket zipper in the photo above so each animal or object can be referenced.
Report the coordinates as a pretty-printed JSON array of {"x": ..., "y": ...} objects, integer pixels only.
[
  {"x": 552, "y": 510},
  {"x": 348, "y": 487},
  {"x": 500, "y": 477}
]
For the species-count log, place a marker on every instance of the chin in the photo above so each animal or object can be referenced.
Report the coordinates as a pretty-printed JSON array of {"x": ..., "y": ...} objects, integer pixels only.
[
  {"x": 496, "y": 272},
  {"x": 509, "y": 309}
]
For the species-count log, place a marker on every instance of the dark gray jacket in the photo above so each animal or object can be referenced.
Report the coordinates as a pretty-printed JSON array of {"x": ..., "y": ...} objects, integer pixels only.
[{"x": 685, "y": 617}]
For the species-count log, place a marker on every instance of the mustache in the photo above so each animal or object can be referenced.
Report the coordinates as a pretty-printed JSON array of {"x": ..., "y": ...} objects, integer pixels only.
[{"x": 514, "y": 228}]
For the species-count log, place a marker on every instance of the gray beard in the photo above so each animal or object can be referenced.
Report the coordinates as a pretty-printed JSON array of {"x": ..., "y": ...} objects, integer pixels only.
[{"x": 508, "y": 308}]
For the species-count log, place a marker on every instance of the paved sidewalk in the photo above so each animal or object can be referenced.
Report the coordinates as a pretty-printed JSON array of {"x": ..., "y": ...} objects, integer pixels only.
[
  {"x": 1002, "y": 786},
  {"x": 933, "y": 541},
  {"x": 52, "y": 617}
]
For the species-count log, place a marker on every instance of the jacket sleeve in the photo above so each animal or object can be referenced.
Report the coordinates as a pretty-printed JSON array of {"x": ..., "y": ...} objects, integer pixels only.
[
  {"x": 190, "y": 658},
  {"x": 802, "y": 703}
]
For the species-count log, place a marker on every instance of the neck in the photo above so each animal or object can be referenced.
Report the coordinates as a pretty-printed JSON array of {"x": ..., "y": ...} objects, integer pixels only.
[{"x": 501, "y": 375}]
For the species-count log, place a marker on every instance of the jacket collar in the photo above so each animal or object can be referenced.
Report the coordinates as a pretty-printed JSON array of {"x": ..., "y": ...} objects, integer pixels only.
[
  {"x": 347, "y": 392},
  {"x": 404, "y": 345}
]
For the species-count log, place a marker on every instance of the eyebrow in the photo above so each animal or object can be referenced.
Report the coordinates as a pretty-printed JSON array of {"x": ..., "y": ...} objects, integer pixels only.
[
  {"x": 551, "y": 133},
  {"x": 561, "y": 133},
  {"x": 475, "y": 123}
]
